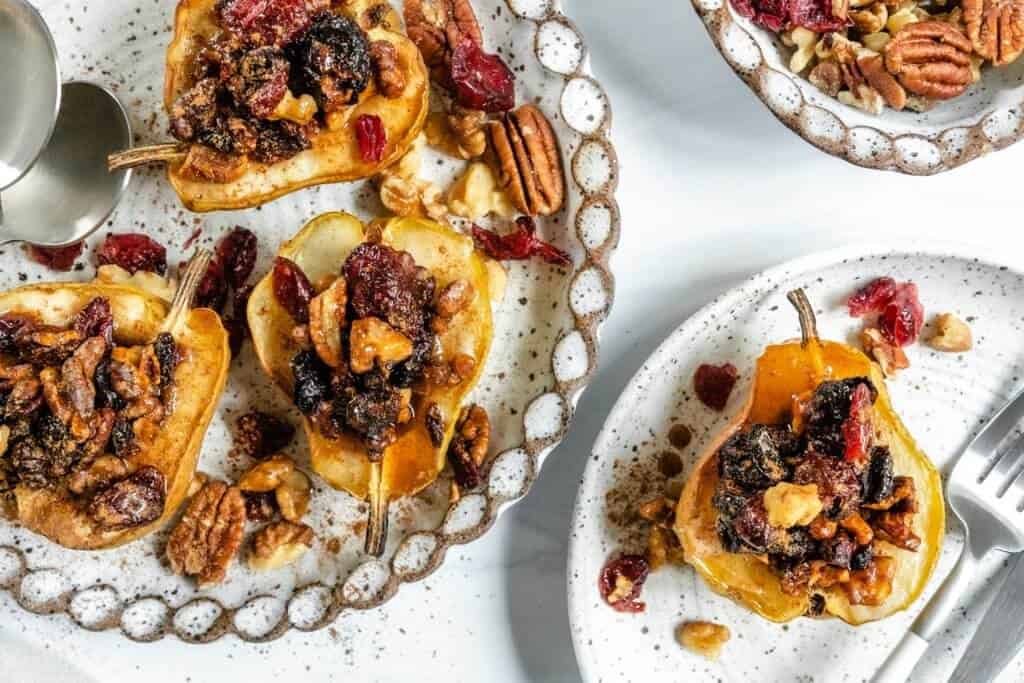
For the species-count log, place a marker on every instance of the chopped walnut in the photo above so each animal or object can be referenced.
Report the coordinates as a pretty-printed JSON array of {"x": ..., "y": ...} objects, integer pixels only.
[
  {"x": 790, "y": 505},
  {"x": 860, "y": 530},
  {"x": 412, "y": 197},
  {"x": 872, "y": 585},
  {"x": 267, "y": 475},
  {"x": 208, "y": 537},
  {"x": 890, "y": 358},
  {"x": 454, "y": 297},
  {"x": 475, "y": 194},
  {"x": 703, "y": 637},
  {"x": 460, "y": 134},
  {"x": 293, "y": 495},
  {"x": 663, "y": 548},
  {"x": 100, "y": 474},
  {"x": 389, "y": 76},
  {"x": 373, "y": 340},
  {"x": 951, "y": 334},
  {"x": 468, "y": 447},
  {"x": 300, "y": 110},
  {"x": 326, "y": 317},
  {"x": 279, "y": 544}
]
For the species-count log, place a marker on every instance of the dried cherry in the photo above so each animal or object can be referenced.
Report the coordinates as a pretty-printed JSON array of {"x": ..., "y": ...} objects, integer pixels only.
[
  {"x": 237, "y": 253},
  {"x": 57, "y": 258},
  {"x": 872, "y": 297},
  {"x": 857, "y": 428},
  {"x": 372, "y": 138},
  {"x": 519, "y": 245},
  {"x": 133, "y": 252},
  {"x": 95, "y": 320},
  {"x": 770, "y": 14},
  {"x": 212, "y": 292},
  {"x": 292, "y": 289},
  {"x": 265, "y": 22},
  {"x": 816, "y": 15},
  {"x": 387, "y": 284},
  {"x": 714, "y": 384},
  {"x": 259, "y": 435},
  {"x": 482, "y": 81},
  {"x": 629, "y": 568}
]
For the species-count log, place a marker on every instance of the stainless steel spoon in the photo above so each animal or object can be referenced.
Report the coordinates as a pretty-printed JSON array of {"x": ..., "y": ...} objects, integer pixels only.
[
  {"x": 68, "y": 193},
  {"x": 30, "y": 83}
]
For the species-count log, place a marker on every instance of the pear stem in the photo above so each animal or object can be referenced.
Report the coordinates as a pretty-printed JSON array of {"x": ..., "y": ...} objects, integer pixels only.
[
  {"x": 150, "y": 154},
  {"x": 808, "y": 323},
  {"x": 377, "y": 520}
]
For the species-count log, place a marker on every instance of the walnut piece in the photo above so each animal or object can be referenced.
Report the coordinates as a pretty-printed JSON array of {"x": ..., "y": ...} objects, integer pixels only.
[
  {"x": 790, "y": 505},
  {"x": 132, "y": 502},
  {"x": 703, "y": 637},
  {"x": 529, "y": 164},
  {"x": 890, "y": 358},
  {"x": 454, "y": 297},
  {"x": 996, "y": 29},
  {"x": 267, "y": 475},
  {"x": 371, "y": 339},
  {"x": 468, "y": 448},
  {"x": 326, "y": 317},
  {"x": 476, "y": 194},
  {"x": 951, "y": 334},
  {"x": 300, "y": 110},
  {"x": 412, "y": 197},
  {"x": 208, "y": 537},
  {"x": 460, "y": 134},
  {"x": 870, "y": 19},
  {"x": 293, "y": 495},
  {"x": 101, "y": 473},
  {"x": 279, "y": 544},
  {"x": 931, "y": 59},
  {"x": 826, "y": 77}
]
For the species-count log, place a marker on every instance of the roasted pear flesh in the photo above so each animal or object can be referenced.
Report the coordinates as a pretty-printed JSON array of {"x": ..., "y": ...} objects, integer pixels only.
[
  {"x": 374, "y": 352},
  {"x": 816, "y": 499},
  {"x": 117, "y": 425},
  {"x": 275, "y": 141}
]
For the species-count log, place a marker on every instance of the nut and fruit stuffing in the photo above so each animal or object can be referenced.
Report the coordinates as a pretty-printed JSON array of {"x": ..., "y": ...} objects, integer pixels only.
[{"x": 901, "y": 54}]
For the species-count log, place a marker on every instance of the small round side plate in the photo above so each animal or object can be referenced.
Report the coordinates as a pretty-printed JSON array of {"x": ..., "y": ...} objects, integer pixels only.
[{"x": 943, "y": 398}]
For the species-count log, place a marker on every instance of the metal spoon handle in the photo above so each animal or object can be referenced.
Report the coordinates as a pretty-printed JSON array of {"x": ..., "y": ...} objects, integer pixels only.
[{"x": 149, "y": 154}]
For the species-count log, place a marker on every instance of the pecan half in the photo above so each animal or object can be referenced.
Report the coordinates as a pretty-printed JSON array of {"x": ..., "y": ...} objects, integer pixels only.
[
  {"x": 931, "y": 59},
  {"x": 390, "y": 79},
  {"x": 867, "y": 75},
  {"x": 529, "y": 162},
  {"x": 996, "y": 28},
  {"x": 437, "y": 26},
  {"x": 209, "y": 535}
]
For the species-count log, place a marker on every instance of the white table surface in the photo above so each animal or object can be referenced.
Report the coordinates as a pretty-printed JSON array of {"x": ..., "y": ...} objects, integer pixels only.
[{"x": 712, "y": 189}]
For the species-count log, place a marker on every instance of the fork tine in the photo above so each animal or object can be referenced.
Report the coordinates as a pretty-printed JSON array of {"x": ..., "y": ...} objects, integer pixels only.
[
  {"x": 1011, "y": 463},
  {"x": 1003, "y": 459}
]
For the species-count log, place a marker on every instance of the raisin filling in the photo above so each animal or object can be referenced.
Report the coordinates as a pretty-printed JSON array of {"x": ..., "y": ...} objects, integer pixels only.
[
  {"x": 75, "y": 408},
  {"x": 815, "y": 503}
]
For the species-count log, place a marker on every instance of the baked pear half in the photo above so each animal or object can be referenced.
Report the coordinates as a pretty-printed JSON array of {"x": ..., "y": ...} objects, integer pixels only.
[
  {"x": 382, "y": 352},
  {"x": 106, "y": 402},
  {"x": 266, "y": 98},
  {"x": 816, "y": 499}
]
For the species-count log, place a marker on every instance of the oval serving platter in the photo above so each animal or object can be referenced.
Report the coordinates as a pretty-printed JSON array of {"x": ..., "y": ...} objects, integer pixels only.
[
  {"x": 943, "y": 398},
  {"x": 544, "y": 353},
  {"x": 988, "y": 116}
]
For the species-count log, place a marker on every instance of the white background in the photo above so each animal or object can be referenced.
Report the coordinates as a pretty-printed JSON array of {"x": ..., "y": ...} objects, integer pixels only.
[{"x": 712, "y": 189}]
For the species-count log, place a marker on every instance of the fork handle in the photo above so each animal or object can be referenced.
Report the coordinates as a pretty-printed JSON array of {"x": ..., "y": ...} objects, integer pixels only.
[{"x": 901, "y": 662}]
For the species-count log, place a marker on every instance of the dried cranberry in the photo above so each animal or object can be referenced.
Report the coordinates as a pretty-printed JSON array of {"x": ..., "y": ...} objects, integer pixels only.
[
  {"x": 631, "y": 568},
  {"x": 56, "y": 258},
  {"x": 238, "y": 324},
  {"x": 482, "y": 81},
  {"x": 857, "y": 428},
  {"x": 387, "y": 284},
  {"x": 292, "y": 289},
  {"x": 266, "y": 22},
  {"x": 372, "y": 138},
  {"x": 714, "y": 384},
  {"x": 901, "y": 315},
  {"x": 133, "y": 252},
  {"x": 95, "y": 320},
  {"x": 212, "y": 292},
  {"x": 770, "y": 14},
  {"x": 816, "y": 15},
  {"x": 872, "y": 297},
  {"x": 237, "y": 254},
  {"x": 519, "y": 245}
]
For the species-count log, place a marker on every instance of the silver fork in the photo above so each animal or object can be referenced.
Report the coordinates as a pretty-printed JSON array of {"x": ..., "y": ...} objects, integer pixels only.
[{"x": 986, "y": 493}]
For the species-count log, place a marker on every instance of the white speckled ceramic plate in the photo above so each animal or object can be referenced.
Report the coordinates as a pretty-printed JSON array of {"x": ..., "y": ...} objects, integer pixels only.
[
  {"x": 988, "y": 116},
  {"x": 544, "y": 353},
  {"x": 943, "y": 399}
]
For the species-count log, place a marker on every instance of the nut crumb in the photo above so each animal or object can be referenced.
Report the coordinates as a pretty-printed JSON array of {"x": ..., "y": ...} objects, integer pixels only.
[
  {"x": 703, "y": 637},
  {"x": 890, "y": 358}
]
